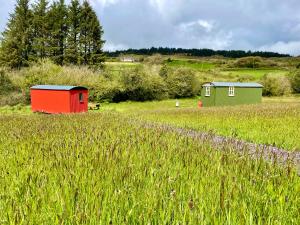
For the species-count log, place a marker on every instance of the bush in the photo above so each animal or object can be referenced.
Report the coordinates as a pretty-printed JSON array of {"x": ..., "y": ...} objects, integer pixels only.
[
  {"x": 140, "y": 86},
  {"x": 295, "y": 81},
  {"x": 249, "y": 62},
  {"x": 12, "y": 99},
  {"x": 6, "y": 84},
  {"x": 275, "y": 86},
  {"x": 154, "y": 59},
  {"x": 182, "y": 83}
]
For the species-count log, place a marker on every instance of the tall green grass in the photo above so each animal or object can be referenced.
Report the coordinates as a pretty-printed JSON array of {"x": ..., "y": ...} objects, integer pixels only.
[
  {"x": 273, "y": 123},
  {"x": 99, "y": 169}
]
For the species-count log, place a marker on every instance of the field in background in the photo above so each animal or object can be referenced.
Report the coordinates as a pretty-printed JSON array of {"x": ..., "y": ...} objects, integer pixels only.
[{"x": 275, "y": 122}]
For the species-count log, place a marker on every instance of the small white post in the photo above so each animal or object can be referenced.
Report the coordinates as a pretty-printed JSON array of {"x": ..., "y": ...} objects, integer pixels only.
[{"x": 177, "y": 104}]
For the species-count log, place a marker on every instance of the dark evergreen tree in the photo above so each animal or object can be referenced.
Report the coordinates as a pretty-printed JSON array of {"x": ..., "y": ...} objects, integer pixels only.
[
  {"x": 58, "y": 31},
  {"x": 72, "y": 43},
  {"x": 91, "y": 42},
  {"x": 16, "y": 43},
  {"x": 97, "y": 56},
  {"x": 40, "y": 30}
]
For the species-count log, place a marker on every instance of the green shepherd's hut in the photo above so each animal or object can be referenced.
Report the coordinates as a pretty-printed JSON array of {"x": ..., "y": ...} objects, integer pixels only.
[{"x": 230, "y": 93}]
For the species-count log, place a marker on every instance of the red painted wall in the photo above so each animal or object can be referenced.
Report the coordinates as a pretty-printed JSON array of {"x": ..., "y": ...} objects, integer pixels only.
[
  {"x": 54, "y": 101},
  {"x": 76, "y": 105}
]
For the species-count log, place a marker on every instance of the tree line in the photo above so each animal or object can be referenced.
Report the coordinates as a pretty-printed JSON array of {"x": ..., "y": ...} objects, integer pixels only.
[
  {"x": 67, "y": 34},
  {"x": 195, "y": 52}
]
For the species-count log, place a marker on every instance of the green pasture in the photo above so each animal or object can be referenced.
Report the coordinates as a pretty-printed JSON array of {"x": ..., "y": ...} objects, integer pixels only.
[
  {"x": 255, "y": 73},
  {"x": 192, "y": 64}
]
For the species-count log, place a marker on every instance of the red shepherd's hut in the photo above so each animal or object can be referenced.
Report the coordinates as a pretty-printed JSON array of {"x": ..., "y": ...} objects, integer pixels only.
[{"x": 59, "y": 99}]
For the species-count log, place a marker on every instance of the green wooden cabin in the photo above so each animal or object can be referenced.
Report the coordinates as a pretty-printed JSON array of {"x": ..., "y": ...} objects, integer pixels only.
[{"x": 230, "y": 93}]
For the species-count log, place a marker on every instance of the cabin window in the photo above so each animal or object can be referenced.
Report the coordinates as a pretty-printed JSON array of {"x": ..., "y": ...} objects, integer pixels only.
[
  {"x": 80, "y": 97},
  {"x": 207, "y": 91},
  {"x": 231, "y": 91}
]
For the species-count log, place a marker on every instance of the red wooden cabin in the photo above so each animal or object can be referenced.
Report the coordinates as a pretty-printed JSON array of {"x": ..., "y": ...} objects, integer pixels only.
[{"x": 59, "y": 99}]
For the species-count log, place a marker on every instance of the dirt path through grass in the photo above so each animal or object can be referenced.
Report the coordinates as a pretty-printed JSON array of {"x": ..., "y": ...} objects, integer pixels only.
[{"x": 266, "y": 152}]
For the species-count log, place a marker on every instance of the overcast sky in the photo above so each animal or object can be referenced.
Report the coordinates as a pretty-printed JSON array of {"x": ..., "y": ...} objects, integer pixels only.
[{"x": 272, "y": 25}]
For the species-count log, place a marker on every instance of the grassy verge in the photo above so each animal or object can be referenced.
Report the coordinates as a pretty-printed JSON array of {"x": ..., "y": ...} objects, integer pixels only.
[{"x": 97, "y": 169}]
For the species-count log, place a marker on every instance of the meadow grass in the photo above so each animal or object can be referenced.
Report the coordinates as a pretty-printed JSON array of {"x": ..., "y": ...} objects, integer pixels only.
[
  {"x": 270, "y": 123},
  {"x": 255, "y": 73},
  {"x": 192, "y": 64},
  {"x": 97, "y": 168}
]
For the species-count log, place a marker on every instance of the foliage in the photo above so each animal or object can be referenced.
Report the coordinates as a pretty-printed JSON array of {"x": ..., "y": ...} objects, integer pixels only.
[
  {"x": 139, "y": 86},
  {"x": 275, "y": 86},
  {"x": 155, "y": 59},
  {"x": 295, "y": 81},
  {"x": 182, "y": 83},
  {"x": 249, "y": 62},
  {"x": 195, "y": 52},
  {"x": 40, "y": 30},
  {"x": 71, "y": 35},
  {"x": 16, "y": 43},
  {"x": 72, "y": 53},
  {"x": 6, "y": 84}
]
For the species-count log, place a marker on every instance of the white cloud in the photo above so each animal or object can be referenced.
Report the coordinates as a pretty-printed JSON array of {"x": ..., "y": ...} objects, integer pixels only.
[
  {"x": 202, "y": 24},
  {"x": 168, "y": 9},
  {"x": 292, "y": 47},
  {"x": 104, "y": 3},
  {"x": 109, "y": 46}
]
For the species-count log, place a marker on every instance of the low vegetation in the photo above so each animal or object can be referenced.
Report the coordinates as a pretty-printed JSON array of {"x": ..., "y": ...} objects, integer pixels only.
[
  {"x": 100, "y": 169},
  {"x": 272, "y": 124},
  {"x": 154, "y": 78}
]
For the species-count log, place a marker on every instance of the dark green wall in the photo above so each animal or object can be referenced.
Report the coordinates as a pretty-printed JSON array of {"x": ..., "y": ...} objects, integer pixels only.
[{"x": 219, "y": 96}]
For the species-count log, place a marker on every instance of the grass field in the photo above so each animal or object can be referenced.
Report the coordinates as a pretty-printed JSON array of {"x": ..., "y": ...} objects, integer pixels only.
[
  {"x": 255, "y": 73},
  {"x": 192, "y": 64},
  {"x": 275, "y": 122},
  {"x": 272, "y": 124},
  {"x": 97, "y": 168}
]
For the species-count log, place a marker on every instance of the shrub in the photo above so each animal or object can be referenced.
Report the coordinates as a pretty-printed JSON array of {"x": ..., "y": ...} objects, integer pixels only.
[
  {"x": 249, "y": 62},
  {"x": 6, "y": 84},
  {"x": 275, "y": 86},
  {"x": 182, "y": 83},
  {"x": 154, "y": 59},
  {"x": 140, "y": 86},
  {"x": 12, "y": 99},
  {"x": 295, "y": 81}
]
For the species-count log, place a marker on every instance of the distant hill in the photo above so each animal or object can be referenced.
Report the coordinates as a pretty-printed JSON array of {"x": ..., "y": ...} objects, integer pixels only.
[{"x": 196, "y": 52}]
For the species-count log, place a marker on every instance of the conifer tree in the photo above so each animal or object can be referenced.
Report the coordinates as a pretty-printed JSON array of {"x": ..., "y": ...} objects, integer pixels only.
[
  {"x": 16, "y": 41},
  {"x": 40, "y": 29},
  {"x": 91, "y": 42},
  {"x": 97, "y": 56},
  {"x": 58, "y": 31},
  {"x": 72, "y": 43}
]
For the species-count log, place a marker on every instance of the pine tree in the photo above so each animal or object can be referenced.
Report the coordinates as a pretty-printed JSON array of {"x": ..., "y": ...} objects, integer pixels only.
[
  {"x": 40, "y": 29},
  {"x": 97, "y": 56},
  {"x": 16, "y": 41},
  {"x": 58, "y": 31},
  {"x": 91, "y": 32},
  {"x": 72, "y": 43}
]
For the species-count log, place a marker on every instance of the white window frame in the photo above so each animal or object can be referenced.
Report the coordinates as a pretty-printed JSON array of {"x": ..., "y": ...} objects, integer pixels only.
[
  {"x": 207, "y": 91},
  {"x": 231, "y": 91}
]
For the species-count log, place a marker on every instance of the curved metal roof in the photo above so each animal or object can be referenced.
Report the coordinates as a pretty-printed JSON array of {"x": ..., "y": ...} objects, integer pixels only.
[
  {"x": 233, "y": 84},
  {"x": 58, "y": 87}
]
